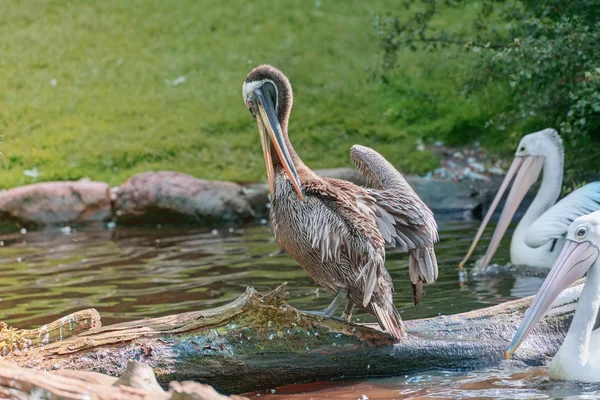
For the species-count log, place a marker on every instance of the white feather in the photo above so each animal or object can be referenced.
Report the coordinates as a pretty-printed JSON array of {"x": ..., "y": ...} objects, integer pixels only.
[{"x": 553, "y": 223}]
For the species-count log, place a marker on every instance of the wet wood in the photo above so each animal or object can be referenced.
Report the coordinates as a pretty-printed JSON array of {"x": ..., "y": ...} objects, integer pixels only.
[
  {"x": 258, "y": 341},
  {"x": 64, "y": 328},
  {"x": 22, "y": 383}
]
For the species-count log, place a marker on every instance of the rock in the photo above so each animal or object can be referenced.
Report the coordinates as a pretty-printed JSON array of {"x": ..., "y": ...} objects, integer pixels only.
[
  {"x": 257, "y": 194},
  {"x": 449, "y": 199},
  {"x": 51, "y": 203},
  {"x": 138, "y": 375},
  {"x": 174, "y": 197},
  {"x": 346, "y": 174},
  {"x": 197, "y": 391}
]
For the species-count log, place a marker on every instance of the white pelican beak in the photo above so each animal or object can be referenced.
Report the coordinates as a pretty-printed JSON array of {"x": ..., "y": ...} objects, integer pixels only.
[
  {"x": 572, "y": 263},
  {"x": 267, "y": 121},
  {"x": 529, "y": 168}
]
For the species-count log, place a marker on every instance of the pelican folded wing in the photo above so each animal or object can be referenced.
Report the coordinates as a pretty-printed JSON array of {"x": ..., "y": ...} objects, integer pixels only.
[{"x": 553, "y": 224}]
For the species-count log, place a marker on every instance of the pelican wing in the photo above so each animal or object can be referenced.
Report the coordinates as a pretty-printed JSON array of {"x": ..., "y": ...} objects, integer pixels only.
[
  {"x": 553, "y": 224},
  {"x": 339, "y": 222},
  {"x": 404, "y": 221}
]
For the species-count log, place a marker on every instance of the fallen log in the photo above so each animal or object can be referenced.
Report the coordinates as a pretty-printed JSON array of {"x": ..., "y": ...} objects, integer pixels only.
[
  {"x": 258, "y": 341},
  {"x": 71, "y": 325},
  {"x": 137, "y": 382}
]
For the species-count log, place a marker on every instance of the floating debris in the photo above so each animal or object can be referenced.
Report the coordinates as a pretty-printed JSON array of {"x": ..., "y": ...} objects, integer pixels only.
[{"x": 472, "y": 164}]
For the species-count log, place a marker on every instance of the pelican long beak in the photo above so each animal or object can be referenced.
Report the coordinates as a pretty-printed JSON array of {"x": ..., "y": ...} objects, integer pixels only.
[
  {"x": 529, "y": 168},
  {"x": 268, "y": 121},
  {"x": 572, "y": 263}
]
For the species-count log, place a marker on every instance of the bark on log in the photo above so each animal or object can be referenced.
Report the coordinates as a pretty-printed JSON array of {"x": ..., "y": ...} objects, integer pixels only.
[
  {"x": 258, "y": 342},
  {"x": 64, "y": 328},
  {"x": 21, "y": 384}
]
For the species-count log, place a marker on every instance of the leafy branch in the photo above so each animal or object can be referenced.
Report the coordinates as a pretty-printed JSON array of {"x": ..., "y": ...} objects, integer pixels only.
[{"x": 544, "y": 54}]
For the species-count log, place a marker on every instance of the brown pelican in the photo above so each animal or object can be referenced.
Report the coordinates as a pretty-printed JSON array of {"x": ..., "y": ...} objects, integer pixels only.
[
  {"x": 334, "y": 229},
  {"x": 540, "y": 234},
  {"x": 579, "y": 356}
]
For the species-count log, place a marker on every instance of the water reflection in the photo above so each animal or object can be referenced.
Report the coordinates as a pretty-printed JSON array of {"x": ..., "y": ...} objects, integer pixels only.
[
  {"x": 509, "y": 381},
  {"x": 130, "y": 274},
  {"x": 136, "y": 273}
]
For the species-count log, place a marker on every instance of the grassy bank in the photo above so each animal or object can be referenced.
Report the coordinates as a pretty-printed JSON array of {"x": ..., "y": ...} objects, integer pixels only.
[{"x": 108, "y": 89}]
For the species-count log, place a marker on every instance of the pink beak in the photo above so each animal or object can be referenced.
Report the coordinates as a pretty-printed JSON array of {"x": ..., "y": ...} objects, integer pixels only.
[
  {"x": 529, "y": 168},
  {"x": 572, "y": 263}
]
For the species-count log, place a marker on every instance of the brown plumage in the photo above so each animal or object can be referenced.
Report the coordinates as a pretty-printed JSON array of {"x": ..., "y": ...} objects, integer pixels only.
[{"x": 335, "y": 230}]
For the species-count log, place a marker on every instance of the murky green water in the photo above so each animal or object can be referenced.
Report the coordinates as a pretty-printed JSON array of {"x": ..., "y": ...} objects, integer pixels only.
[{"x": 128, "y": 274}]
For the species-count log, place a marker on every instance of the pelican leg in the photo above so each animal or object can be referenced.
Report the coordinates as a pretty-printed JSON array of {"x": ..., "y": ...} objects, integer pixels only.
[
  {"x": 333, "y": 306},
  {"x": 337, "y": 301},
  {"x": 347, "y": 314}
]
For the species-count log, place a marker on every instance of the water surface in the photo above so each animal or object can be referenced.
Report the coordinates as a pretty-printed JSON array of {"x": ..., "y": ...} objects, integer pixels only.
[
  {"x": 129, "y": 274},
  {"x": 508, "y": 381}
]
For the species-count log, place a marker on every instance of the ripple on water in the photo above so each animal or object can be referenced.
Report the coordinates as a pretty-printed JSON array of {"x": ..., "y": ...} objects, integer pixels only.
[
  {"x": 133, "y": 273},
  {"x": 128, "y": 274},
  {"x": 509, "y": 381}
]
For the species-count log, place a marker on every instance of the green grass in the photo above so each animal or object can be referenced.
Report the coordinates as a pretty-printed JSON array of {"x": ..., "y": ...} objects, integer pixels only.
[{"x": 113, "y": 110}]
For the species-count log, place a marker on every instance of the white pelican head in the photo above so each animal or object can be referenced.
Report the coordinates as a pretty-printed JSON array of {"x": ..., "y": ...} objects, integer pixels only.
[
  {"x": 543, "y": 148},
  {"x": 579, "y": 253},
  {"x": 539, "y": 144}
]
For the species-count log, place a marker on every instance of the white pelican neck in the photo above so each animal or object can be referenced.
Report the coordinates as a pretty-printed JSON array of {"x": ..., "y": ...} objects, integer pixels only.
[
  {"x": 546, "y": 197},
  {"x": 575, "y": 351}
]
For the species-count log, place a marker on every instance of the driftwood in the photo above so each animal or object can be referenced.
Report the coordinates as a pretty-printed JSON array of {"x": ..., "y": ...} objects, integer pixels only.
[
  {"x": 71, "y": 325},
  {"x": 258, "y": 341},
  {"x": 138, "y": 382}
]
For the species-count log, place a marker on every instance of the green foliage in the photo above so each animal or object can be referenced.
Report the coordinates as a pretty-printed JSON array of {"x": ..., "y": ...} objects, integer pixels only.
[
  {"x": 541, "y": 58},
  {"x": 91, "y": 89}
]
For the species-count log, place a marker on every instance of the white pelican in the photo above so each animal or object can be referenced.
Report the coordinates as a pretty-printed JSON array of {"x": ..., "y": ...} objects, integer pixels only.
[
  {"x": 541, "y": 232},
  {"x": 579, "y": 356}
]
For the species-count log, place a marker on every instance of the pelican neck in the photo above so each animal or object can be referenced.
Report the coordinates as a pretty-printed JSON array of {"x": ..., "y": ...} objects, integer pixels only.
[
  {"x": 578, "y": 337},
  {"x": 546, "y": 197}
]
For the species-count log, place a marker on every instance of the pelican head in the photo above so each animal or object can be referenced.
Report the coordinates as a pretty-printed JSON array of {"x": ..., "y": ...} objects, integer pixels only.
[
  {"x": 539, "y": 144},
  {"x": 579, "y": 253},
  {"x": 532, "y": 153},
  {"x": 268, "y": 95}
]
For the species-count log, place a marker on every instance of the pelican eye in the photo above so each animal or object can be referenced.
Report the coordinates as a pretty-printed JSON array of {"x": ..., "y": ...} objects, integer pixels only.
[
  {"x": 522, "y": 148},
  {"x": 581, "y": 232}
]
